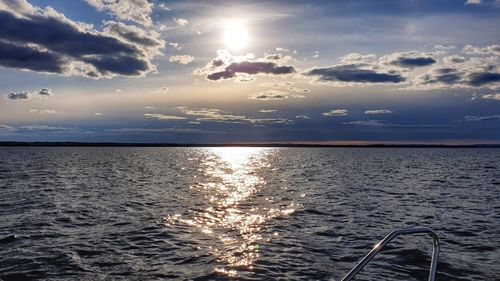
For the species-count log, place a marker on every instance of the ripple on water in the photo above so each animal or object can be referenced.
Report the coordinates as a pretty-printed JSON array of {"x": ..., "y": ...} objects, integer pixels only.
[{"x": 245, "y": 213}]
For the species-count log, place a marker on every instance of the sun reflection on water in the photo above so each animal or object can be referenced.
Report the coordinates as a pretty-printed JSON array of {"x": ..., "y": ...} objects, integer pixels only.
[{"x": 235, "y": 213}]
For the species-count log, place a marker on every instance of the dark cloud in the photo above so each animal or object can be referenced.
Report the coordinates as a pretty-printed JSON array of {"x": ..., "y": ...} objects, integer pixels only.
[
  {"x": 134, "y": 34},
  {"x": 481, "y": 78},
  {"x": 29, "y": 58},
  {"x": 251, "y": 68},
  {"x": 45, "y": 92},
  {"x": 413, "y": 62},
  {"x": 49, "y": 42},
  {"x": 353, "y": 73},
  {"x": 19, "y": 96},
  {"x": 441, "y": 75}
]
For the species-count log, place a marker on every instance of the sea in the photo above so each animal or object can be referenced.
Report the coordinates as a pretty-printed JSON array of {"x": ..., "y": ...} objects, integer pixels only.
[{"x": 246, "y": 213}]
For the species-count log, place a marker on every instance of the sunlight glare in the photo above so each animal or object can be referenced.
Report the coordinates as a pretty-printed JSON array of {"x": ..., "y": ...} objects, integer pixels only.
[{"x": 236, "y": 35}]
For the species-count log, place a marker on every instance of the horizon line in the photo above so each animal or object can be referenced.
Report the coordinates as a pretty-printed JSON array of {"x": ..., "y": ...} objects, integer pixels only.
[{"x": 396, "y": 144}]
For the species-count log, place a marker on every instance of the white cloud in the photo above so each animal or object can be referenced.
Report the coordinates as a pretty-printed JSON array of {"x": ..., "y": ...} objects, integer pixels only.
[
  {"x": 491, "y": 97},
  {"x": 473, "y": 2},
  {"x": 44, "y": 111},
  {"x": 163, "y": 116},
  {"x": 138, "y": 11},
  {"x": 444, "y": 47},
  {"x": 217, "y": 115},
  {"x": 471, "y": 118},
  {"x": 357, "y": 58},
  {"x": 182, "y": 59},
  {"x": 279, "y": 49},
  {"x": 161, "y": 90},
  {"x": 378, "y": 111},
  {"x": 181, "y": 21},
  {"x": 286, "y": 85},
  {"x": 336, "y": 112},
  {"x": 175, "y": 45},
  {"x": 267, "y": 110},
  {"x": 493, "y": 50},
  {"x": 163, "y": 6},
  {"x": 302, "y": 117},
  {"x": 269, "y": 95}
]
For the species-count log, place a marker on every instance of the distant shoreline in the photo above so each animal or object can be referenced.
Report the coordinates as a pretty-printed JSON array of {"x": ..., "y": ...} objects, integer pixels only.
[{"x": 118, "y": 144}]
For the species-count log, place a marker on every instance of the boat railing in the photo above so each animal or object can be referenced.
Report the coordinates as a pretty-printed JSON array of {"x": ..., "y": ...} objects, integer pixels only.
[{"x": 387, "y": 239}]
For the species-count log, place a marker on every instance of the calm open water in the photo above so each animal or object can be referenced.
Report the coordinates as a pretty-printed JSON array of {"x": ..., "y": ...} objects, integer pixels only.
[{"x": 245, "y": 213}]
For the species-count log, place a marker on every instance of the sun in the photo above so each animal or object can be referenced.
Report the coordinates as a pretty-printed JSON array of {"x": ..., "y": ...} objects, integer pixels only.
[{"x": 236, "y": 35}]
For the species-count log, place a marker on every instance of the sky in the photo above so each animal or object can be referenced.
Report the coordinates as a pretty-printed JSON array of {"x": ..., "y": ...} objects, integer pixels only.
[{"x": 350, "y": 71}]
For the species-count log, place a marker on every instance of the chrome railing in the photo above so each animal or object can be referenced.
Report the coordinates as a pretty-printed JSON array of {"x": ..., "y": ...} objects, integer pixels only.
[{"x": 387, "y": 239}]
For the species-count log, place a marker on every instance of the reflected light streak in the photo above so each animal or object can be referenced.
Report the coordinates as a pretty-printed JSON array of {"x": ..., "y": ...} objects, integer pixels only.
[{"x": 234, "y": 217}]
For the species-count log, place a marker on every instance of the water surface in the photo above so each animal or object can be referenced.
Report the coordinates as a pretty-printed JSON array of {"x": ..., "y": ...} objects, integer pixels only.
[{"x": 245, "y": 213}]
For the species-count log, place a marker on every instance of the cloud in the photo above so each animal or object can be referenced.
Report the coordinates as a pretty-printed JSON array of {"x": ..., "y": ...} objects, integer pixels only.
[
  {"x": 163, "y": 6},
  {"x": 161, "y": 90},
  {"x": 264, "y": 121},
  {"x": 488, "y": 50},
  {"x": 410, "y": 59},
  {"x": 286, "y": 85},
  {"x": 460, "y": 72},
  {"x": 159, "y": 130},
  {"x": 163, "y": 116},
  {"x": 30, "y": 128},
  {"x": 44, "y": 111},
  {"x": 175, "y": 45},
  {"x": 471, "y": 118},
  {"x": 6, "y": 129},
  {"x": 302, "y": 117},
  {"x": 217, "y": 115},
  {"x": 138, "y": 11},
  {"x": 74, "y": 48},
  {"x": 267, "y": 110},
  {"x": 378, "y": 123},
  {"x": 378, "y": 111},
  {"x": 150, "y": 42},
  {"x": 315, "y": 55},
  {"x": 481, "y": 78},
  {"x": 491, "y": 97},
  {"x": 45, "y": 128},
  {"x": 444, "y": 47},
  {"x": 19, "y": 96},
  {"x": 279, "y": 49},
  {"x": 251, "y": 68},
  {"x": 182, "y": 59},
  {"x": 336, "y": 112},
  {"x": 269, "y": 95},
  {"x": 45, "y": 92},
  {"x": 357, "y": 58},
  {"x": 416, "y": 70},
  {"x": 241, "y": 68},
  {"x": 352, "y": 73},
  {"x": 374, "y": 123},
  {"x": 181, "y": 22},
  {"x": 473, "y": 2},
  {"x": 414, "y": 62},
  {"x": 277, "y": 57}
]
